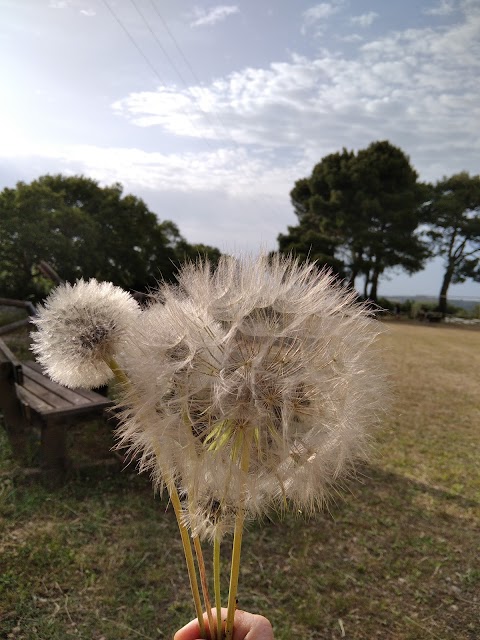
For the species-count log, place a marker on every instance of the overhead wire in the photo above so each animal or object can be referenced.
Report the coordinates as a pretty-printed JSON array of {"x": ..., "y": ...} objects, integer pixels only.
[
  {"x": 223, "y": 127},
  {"x": 185, "y": 59},
  {"x": 208, "y": 116},
  {"x": 150, "y": 64},
  {"x": 132, "y": 40},
  {"x": 158, "y": 41},
  {"x": 152, "y": 67},
  {"x": 173, "y": 64},
  {"x": 174, "y": 40}
]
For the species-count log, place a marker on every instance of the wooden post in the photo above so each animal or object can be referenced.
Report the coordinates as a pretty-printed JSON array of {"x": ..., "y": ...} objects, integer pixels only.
[
  {"x": 53, "y": 448},
  {"x": 13, "y": 417}
]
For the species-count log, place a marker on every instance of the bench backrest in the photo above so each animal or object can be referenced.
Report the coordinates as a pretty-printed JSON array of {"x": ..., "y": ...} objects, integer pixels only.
[{"x": 10, "y": 367}]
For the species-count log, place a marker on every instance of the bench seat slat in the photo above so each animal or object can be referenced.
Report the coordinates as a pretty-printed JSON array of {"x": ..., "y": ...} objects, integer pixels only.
[
  {"x": 54, "y": 399},
  {"x": 78, "y": 410},
  {"x": 31, "y": 400},
  {"x": 71, "y": 396},
  {"x": 47, "y": 411},
  {"x": 86, "y": 393}
]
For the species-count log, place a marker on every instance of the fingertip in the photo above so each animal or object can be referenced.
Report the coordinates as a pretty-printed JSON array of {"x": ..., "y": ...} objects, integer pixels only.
[{"x": 189, "y": 632}]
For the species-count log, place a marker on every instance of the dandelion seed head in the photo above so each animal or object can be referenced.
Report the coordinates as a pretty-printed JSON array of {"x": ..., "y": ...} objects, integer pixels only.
[
  {"x": 261, "y": 354},
  {"x": 79, "y": 329}
]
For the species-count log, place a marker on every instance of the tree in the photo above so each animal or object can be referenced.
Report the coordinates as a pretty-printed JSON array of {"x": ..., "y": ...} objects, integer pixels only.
[
  {"x": 36, "y": 224},
  {"x": 454, "y": 214},
  {"x": 82, "y": 230},
  {"x": 359, "y": 213},
  {"x": 316, "y": 202},
  {"x": 389, "y": 198},
  {"x": 193, "y": 252}
]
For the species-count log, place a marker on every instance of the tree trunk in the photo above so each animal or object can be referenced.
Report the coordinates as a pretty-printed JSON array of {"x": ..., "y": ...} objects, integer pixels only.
[
  {"x": 374, "y": 286},
  {"x": 442, "y": 300},
  {"x": 352, "y": 278},
  {"x": 367, "y": 282},
  {"x": 356, "y": 266}
]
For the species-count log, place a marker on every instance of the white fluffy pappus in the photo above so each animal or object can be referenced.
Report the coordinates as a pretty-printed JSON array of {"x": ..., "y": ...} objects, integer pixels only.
[
  {"x": 80, "y": 329},
  {"x": 252, "y": 386}
]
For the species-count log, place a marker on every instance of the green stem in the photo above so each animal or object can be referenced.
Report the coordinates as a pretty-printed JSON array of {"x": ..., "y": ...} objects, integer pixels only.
[
  {"x": 216, "y": 584},
  {"x": 122, "y": 378},
  {"x": 118, "y": 372},
  {"x": 203, "y": 580},
  {"x": 187, "y": 549},
  {"x": 237, "y": 547}
]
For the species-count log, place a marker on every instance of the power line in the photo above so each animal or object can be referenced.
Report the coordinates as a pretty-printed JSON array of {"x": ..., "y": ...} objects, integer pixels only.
[
  {"x": 223, "y": 127},
  {"x": 207, "y": 115},
  {"x": 157, "y": 40},
  {"x": 173, "y": 38},
  {"x": 132, "y": 40},
  {"x": 225, "y": 131},
  {"x": 150, "y": 64},
  {"x": 187, "y": 63}
]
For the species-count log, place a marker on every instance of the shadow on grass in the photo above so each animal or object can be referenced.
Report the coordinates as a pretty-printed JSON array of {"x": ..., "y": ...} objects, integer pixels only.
[
  {"x": 100, "y": 558},
  {"x": 380, "y": 476}
]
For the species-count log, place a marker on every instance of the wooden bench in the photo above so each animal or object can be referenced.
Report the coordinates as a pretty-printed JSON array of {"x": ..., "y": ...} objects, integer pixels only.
[{"x": 29, "y": 401}]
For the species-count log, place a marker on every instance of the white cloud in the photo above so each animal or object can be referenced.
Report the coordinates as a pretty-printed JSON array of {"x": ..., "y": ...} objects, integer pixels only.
[
  {"x": 353, "y": 37},
  {"x": 204, "y": 17},
  {"x": 216, "y": 197},
  {"x": 232, "y": 171},
  {"x": 364, "y": 20},
  {"x": 70, "y": 4},
  {"x": 443, "y": 8},
  {"x": 417, "y": 88},
  {"x": 316, "y": 15}
]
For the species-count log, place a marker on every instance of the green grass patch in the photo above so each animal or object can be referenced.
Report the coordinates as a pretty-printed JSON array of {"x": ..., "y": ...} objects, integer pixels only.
[{"x": 395, "y": 557}]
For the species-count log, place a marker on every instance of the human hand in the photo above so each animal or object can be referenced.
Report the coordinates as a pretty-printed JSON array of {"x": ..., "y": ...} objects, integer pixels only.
[{"x": 246, "y": 626}]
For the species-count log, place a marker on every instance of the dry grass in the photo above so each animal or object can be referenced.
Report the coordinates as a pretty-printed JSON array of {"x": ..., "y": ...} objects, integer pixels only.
[
  {"x": 100, "y": 559},
  {"x": 435, "y": 422}
]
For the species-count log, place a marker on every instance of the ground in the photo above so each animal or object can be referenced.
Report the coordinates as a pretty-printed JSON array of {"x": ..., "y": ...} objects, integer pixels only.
[{"x": 394, "y": 556}]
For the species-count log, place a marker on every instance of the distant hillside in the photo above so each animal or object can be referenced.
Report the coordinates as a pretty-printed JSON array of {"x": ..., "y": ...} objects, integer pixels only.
[{"x": 467, "y": 304}]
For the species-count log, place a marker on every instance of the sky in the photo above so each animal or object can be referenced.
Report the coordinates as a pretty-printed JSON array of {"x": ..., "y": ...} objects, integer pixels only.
[{"x": 210, "y": 112}]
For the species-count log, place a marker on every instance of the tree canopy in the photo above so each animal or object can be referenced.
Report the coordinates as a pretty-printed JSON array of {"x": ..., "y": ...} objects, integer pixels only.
[
  {"x": 84, "y": 230},
  {"x": 453, "y": 213},
  {"x": 359, "y": 213}
]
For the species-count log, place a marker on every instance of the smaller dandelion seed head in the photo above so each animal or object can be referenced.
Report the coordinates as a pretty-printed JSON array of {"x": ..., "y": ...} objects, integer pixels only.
[{"x": 80, "y": 328}]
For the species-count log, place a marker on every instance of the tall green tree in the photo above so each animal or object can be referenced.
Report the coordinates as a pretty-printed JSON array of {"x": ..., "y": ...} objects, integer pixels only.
[
  {"x": 389, "y": 200},
  {"x": 36, "y": 224},
  {"x": 454, "y": 214},
  {"x": 360, "y": 213},
  {"x": 319, "y": 207},
  {"x": 82, "y": 230}
]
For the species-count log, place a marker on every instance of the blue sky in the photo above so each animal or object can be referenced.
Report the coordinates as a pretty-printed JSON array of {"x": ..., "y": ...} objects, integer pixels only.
[{"x": 211, "y": 111}]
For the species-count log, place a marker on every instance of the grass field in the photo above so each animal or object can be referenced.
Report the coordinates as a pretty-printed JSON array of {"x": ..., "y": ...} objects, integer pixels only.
[{"x": 397, "y": 558}]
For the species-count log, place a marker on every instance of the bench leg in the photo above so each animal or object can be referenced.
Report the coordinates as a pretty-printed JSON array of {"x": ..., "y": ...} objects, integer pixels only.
[
  {"x": 53, "y": 448},
  {"x": 16, "y": 426}
]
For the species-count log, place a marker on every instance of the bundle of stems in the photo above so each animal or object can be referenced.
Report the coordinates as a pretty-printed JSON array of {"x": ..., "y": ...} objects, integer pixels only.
[{"x": 216, "y": 629}]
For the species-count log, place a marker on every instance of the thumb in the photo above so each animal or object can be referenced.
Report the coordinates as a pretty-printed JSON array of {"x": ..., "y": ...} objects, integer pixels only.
[{"x": 247, "y": 626}]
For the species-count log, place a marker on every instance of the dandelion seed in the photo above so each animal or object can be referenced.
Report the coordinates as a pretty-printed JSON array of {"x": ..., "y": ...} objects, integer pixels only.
[{"x": 79, "y": 330}]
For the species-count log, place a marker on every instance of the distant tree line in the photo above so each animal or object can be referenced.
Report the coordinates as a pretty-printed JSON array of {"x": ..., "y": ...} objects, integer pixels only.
[
  {"x": 363, "y": 214},
  {"x": 366, "y": 213},
  {"x": 84, "y": 230}
]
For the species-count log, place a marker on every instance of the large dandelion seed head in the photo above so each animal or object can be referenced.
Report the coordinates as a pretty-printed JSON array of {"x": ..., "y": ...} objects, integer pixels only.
[
  {"x": 80, "y": 328},
  {"x": 262, "y": 355}
]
